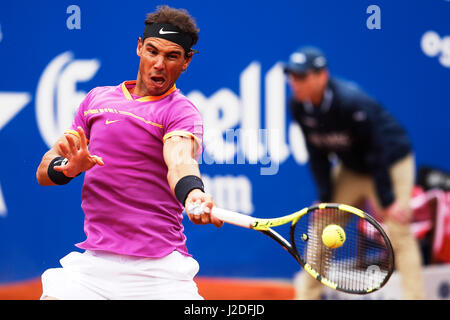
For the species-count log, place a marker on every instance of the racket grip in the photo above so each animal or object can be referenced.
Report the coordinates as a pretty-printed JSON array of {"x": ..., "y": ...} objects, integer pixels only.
[
  {"x": 235, "y": 218},
  {"x": 227, "y": 216}
]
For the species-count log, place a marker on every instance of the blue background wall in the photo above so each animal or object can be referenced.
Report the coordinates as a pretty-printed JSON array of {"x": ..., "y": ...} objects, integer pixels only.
[{"x": 39, "y": 225}]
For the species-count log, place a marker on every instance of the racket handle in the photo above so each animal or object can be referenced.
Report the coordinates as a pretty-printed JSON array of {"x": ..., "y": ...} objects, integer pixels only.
[
  {"x": 235, "y": 218},
  {"x": 227, "y": 216}
]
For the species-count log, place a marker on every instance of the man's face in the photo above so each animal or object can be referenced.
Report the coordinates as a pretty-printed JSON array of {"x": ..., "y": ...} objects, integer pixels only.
[
  {"x": 308, "y": 86},
  {"x": 161, "y": 64}
]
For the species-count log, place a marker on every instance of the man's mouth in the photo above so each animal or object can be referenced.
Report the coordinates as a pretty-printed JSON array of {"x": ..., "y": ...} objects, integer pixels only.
[{"x": 158, "y": 80}]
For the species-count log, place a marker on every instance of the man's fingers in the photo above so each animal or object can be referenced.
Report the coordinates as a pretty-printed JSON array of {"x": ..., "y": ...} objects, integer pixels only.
[
  {"x": 201, "y": 213},
  {"x": 83, "y": 139},
  {"x": 98, "y": 160},
  {"x": 199, "y": 209},
  {"x": 205, "y": 218},
  {"x": 72, "y": 144},
  {"x": 195, "y": 218},
  {"x": 60, "y": 168},
  {"x": 218, "y": 223},
  {"x": 215, "y": 221},
  {"x": 64, "y": 150}
]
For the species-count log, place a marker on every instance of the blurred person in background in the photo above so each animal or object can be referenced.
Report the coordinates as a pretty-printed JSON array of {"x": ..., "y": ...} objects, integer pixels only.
[{"x": 357, "y": 152}]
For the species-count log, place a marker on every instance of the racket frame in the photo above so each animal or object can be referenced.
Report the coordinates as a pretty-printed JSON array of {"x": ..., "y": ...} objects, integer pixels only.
[
  {"x": 308, "y": 268},
  {"x": 265, "y": 226}
]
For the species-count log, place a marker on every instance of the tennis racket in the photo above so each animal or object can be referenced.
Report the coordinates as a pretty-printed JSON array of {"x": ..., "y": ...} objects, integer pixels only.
[{"x": 362, "y": 264}]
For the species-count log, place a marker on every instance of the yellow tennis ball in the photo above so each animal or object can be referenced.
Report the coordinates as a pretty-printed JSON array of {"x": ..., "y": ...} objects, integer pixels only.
[{"x": 333, "y": 236}]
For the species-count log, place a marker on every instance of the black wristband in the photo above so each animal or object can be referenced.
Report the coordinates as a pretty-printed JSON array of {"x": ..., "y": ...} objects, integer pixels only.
[
  {"x": 56, "y": 176},
  {"x": 186, "y": 185}
]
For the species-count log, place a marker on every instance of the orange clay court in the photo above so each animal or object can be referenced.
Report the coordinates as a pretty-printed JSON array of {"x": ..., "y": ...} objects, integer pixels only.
[{"x": 209, "y": 288}]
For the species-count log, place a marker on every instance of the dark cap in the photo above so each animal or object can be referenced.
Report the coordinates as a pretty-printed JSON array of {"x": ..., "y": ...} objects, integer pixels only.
[{"x": 305, "y": 59}]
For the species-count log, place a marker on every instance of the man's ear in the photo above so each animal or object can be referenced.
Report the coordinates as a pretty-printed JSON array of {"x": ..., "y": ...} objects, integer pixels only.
[
  {"x": 324, "y": 77},
  {"x": 139, "y": 47},
  {"x": 326, "y": 74},
  {"x": 188, "y": 59}
]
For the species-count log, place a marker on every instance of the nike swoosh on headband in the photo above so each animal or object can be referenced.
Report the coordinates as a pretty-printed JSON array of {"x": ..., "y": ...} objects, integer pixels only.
[{"x": 161, "y": 31}]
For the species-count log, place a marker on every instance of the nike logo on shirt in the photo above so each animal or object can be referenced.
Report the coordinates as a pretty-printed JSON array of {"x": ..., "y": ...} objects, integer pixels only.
[{"x": 112, "y": 121}]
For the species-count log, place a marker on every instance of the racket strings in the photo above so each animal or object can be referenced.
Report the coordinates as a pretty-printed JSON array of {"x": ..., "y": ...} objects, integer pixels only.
[{"x": 360, "y": 264}]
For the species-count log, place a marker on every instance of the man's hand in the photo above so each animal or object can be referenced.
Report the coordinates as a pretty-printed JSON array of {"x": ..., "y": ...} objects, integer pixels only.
[
  {"x": 197, "y": 197},
  {"x": 79, "y": 159}
]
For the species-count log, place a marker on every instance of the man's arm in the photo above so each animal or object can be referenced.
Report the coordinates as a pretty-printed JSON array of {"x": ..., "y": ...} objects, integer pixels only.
[
  {"x": 179, "y": 157},
  {"x": 368, "y": 129}
]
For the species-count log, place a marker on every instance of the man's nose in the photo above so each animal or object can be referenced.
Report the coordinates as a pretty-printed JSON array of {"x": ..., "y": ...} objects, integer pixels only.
[{"x": 159, "y": 62}]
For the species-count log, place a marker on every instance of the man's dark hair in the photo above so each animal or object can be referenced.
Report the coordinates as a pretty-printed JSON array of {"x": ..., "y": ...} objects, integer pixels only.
[{"x": 180, "y": 18}]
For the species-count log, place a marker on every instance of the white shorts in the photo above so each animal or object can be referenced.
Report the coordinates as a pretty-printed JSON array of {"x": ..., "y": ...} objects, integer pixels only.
[{"x": 94, "y": 275}]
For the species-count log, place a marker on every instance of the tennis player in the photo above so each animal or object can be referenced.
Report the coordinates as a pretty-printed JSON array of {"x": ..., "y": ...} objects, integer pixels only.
[
  {"x": 141, "y": 169},
  {"x": 373, "y": 153}
]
